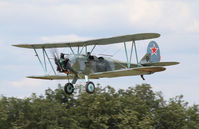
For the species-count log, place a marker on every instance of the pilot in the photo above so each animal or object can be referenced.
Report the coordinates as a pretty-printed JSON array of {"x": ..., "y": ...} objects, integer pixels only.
[
  {"x": 63, "y": 62},
  {"x": 88, "y": 54},
  {"x": 90, "y": 57}
]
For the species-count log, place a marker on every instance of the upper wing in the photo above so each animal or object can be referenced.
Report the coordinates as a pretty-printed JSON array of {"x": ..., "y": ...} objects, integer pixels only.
[
  {"x": 102, "y": 41},
  {"x": 108, "y": 74}
]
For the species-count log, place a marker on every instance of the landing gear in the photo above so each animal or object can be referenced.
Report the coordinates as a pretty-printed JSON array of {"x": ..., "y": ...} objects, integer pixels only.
[
  {"x": 90, "y": 87},
  {"x": 69, "y": 88}
]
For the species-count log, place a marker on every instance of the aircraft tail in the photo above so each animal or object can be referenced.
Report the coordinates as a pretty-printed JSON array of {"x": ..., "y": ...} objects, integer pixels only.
[{"x": 152, "y": 55}]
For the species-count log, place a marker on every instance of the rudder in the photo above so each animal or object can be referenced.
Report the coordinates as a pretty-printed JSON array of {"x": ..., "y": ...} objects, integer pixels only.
[{"x": 154, "y": 52}]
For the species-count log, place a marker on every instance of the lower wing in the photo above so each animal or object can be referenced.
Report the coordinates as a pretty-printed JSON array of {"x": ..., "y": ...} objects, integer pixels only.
[
  {"x": 107, "y": 74},
  {"x": 128, "y": 72}
]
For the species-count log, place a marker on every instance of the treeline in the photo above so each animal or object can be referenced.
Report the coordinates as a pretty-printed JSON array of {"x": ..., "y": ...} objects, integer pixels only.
[{"x": 134, "y": 108}]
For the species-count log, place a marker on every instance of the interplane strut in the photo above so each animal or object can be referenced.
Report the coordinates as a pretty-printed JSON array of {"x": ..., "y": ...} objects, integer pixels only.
[{"x": 129, "y": 58}]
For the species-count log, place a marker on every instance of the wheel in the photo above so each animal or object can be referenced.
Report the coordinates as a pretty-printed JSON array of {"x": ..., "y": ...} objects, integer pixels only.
[
  {"x": 68, "y": 88},
  {"x": 90, "y": 87}
]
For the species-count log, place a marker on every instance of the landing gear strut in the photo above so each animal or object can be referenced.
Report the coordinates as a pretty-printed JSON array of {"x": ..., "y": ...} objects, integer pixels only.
[
  {"x": 69, "y": 88},
  {"x": 142, "y": 76}
]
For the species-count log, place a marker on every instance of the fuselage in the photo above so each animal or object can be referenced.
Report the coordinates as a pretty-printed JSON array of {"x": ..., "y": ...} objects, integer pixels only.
[{"x": 92, "y": 64}]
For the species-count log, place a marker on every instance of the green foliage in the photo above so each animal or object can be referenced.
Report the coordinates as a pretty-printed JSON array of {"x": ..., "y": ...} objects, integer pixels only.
[{"x": 136, "y": 107}]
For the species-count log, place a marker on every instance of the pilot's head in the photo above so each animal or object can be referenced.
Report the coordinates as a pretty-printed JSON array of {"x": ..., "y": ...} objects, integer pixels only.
[
  {"x": 88, "y": 53},
  {"x": 61, "y": 55}
]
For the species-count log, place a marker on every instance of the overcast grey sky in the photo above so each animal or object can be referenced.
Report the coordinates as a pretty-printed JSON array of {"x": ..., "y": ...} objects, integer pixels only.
[{"x": 41, "y": 21}]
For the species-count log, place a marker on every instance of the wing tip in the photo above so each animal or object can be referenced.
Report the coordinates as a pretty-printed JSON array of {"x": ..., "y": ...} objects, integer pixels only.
[
  {"x": 177, "y": 62},
  {"x": 174, "y": 63},
  {"x": 156, "y": 35},
  {"x": 32, "y": 77},
  {"x": 14, "y": 45},
  {"x": 21, "y": 45}
]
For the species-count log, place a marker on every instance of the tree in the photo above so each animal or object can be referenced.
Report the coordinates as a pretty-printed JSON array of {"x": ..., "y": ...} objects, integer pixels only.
[{"x": 136, "y": 107}]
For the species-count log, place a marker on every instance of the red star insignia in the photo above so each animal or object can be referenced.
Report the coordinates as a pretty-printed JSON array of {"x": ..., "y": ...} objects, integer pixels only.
[{"x": 154, "y": 50}]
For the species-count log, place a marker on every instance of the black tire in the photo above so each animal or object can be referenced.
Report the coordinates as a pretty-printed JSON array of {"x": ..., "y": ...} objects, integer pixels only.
[
  {"x": 69, "y": 88},
  {"x": 90, "y": 87}
]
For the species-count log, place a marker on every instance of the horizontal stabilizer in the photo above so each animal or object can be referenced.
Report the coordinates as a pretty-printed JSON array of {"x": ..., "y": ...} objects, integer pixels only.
[{"x": 160, "y": 64}]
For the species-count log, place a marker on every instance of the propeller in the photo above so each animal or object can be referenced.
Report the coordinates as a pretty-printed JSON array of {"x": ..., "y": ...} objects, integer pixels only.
[
  {"x": 54, "y": 53},
  {"x": 66, "y": 64}
]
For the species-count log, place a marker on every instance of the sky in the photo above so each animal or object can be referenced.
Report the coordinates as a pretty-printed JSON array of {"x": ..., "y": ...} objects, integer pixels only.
[{"x": 40, "y": 21}]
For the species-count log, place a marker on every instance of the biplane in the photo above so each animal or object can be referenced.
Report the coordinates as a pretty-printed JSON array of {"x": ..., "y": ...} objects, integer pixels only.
[{"x": 84, "y": 65}]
